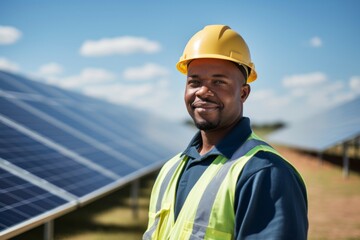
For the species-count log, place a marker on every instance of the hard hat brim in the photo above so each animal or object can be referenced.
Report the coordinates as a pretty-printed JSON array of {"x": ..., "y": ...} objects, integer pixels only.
[{"x": 182, "y": 65}]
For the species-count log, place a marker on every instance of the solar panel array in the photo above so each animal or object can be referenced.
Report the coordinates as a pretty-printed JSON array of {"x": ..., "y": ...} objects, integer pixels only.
[
  {"x": 59, "y": 150},
  {"x": 323, "y": 130}
]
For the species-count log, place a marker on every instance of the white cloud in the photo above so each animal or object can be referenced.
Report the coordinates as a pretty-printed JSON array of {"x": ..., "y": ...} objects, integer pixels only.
[
  {"x": 50, "y": 69},
  {"x": 266, "y": 105},
  {"x": 355, "y": 84},
  {"x": 154, "y": 96},
  {"x": 298, "y": 92},
  {"x": 118, "y": 93},
  {"x": 88, "y": 76},
  {"x": 268, "y": 98},
  {"x": 304, "y": 80},
  {"x": 148, "y": 71},
  {"x": 303, "y": 95},
  {"x": 327, "y": 95},
  {"x": 315, "y": 42},
  {"x": 341, "y": 98},
  {"x": 9, "y": 35},
  {"x": 262, "y": 94},
  {"x": 7, "y": 65},
  {"x": 119, "y": 45}
]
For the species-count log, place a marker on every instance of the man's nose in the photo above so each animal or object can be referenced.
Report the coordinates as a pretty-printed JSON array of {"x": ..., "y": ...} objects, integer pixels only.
[{"x": 204, "y": 91}]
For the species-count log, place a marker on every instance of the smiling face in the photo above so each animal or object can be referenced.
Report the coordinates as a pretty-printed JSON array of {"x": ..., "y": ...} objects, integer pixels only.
[{"x": 215, "y": 93}]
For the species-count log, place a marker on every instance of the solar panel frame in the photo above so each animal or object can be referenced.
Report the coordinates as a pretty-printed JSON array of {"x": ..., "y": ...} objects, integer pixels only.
[{"x": 12, "y": 181}]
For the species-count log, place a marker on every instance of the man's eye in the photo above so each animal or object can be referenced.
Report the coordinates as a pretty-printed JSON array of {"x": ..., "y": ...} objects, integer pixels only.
[
  {"x": 193, "y": 82},
  {"x": 217, "y": 81}
]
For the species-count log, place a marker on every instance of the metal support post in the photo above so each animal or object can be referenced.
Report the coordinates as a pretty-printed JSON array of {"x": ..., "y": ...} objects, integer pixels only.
[
  {"x": 135, "y": 198},
  {"x": 49, "y": 230},
  {"x": 320, "y": 157},
  {"x": 346, "y": 162},
  {"x": 357, "y": 147}
]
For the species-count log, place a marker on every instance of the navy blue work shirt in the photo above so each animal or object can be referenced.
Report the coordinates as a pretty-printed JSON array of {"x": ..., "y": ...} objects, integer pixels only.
[{"x": 270, "y": 197}]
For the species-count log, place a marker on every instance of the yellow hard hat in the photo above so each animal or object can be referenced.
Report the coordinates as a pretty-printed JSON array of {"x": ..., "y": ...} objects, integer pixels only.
[{"x": 217, "y": 41}]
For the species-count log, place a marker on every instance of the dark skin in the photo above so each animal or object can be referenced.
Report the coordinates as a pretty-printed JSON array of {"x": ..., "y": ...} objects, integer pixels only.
[{"x": 214, "y": 96}]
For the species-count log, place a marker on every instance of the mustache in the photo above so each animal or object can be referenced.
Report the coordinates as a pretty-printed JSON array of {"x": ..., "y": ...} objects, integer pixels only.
[{"x": 199, "y": 103}]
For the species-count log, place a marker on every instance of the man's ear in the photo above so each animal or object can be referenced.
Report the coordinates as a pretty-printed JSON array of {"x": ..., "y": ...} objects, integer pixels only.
[{"x": 245, "y": 92}]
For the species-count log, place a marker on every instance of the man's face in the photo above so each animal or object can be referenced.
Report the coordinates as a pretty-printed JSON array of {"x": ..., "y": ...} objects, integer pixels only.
[{"x": 215, "y": 93}]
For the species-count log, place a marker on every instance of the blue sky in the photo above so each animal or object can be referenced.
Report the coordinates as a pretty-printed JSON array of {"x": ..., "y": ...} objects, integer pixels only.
[{"x": 306, "y": 53}]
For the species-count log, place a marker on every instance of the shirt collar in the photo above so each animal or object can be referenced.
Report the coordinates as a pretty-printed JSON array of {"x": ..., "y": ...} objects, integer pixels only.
[{"x": 227, "y": 146}]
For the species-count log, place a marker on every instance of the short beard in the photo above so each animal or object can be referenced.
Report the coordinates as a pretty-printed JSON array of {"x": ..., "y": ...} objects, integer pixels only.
[{"x": 205, "y": 126}]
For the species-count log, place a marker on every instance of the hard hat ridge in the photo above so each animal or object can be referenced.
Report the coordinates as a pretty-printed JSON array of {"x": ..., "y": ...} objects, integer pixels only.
[{"x": 220, "y": 42}]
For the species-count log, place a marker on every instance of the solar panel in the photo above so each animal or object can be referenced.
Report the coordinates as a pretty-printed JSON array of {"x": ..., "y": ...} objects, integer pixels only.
[
  {"x": 49, "y": 164},
  {"x": 68, "y": 147},
  {"x": 22, "y": 201},
  {"x": 323, "y": 130},
  {"x": 68, "y": 136}
]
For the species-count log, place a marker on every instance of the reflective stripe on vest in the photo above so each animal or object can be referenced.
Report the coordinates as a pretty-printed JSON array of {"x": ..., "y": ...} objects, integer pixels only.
[
  {"x": 203, "y": 214},
  {"x": 163, "y": 187},
  {"x": 196, "y": 215}
]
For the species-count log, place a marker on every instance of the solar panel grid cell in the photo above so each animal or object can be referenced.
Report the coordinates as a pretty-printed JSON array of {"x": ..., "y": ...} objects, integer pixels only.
[
  {"x": 21, "y": 200},
  {"x": 54, "y": 112},
  {"x": 48, "y": 164},
  {"x": 11, "y": 82},
  {"x": 20, "y": 115},
  {"x": 21, "y": 84},
  {"x": 8, "y": 87}
]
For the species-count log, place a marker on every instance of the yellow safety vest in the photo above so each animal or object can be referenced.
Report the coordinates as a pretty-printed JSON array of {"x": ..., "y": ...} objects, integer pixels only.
[{"x": 208, "y": 211}]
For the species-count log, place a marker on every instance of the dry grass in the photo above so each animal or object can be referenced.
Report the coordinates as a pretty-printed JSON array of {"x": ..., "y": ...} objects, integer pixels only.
[
  {"x": 334, "y": 201},
  {"x": 334, "y": 207}
]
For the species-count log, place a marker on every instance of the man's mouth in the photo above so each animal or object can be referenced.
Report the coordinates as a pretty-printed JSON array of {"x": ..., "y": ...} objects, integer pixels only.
[{"x": 201, "y": 106}]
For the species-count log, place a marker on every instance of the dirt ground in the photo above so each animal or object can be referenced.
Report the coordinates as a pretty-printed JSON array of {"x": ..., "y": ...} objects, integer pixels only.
[{"x": 334, "y": 200}]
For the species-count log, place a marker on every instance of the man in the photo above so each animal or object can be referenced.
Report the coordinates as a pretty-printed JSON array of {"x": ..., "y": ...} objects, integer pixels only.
[{"x": 228, "y": 183}]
